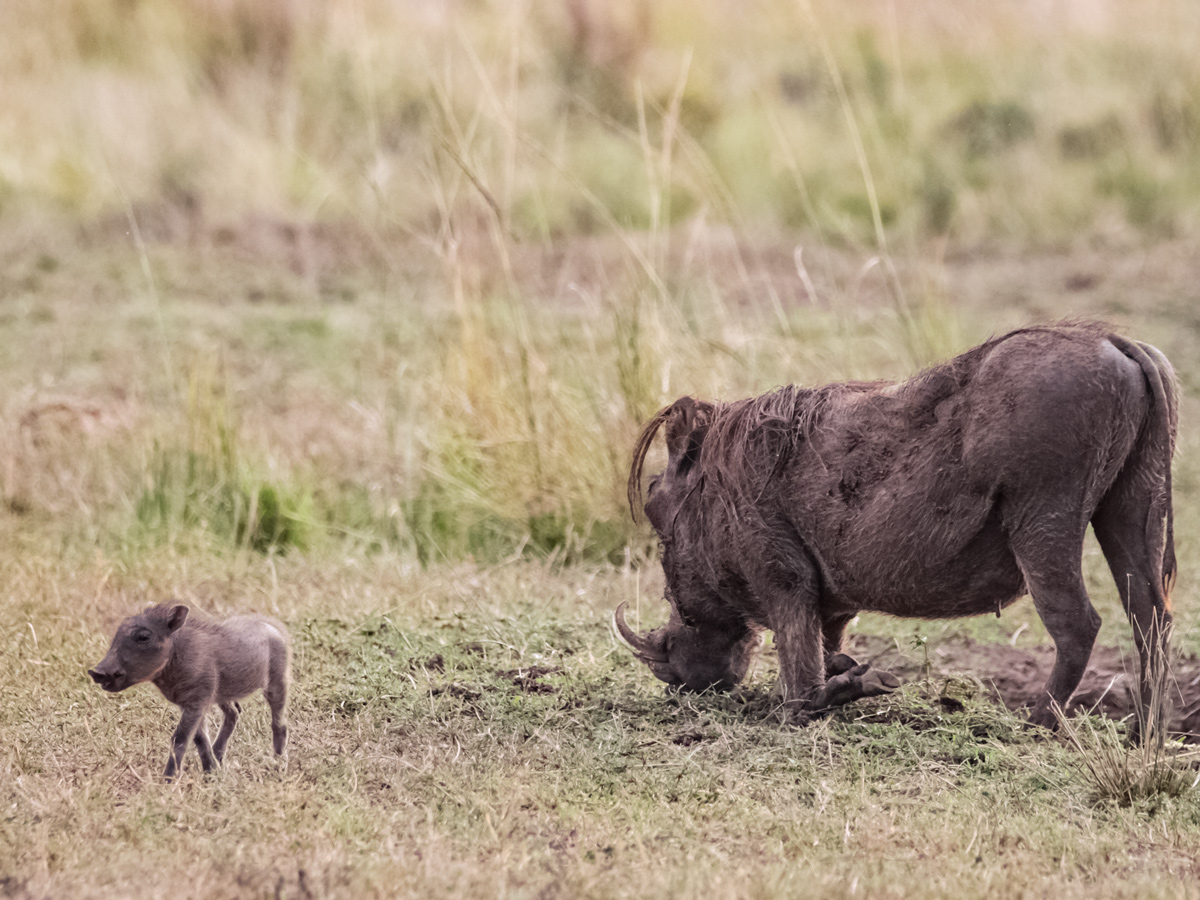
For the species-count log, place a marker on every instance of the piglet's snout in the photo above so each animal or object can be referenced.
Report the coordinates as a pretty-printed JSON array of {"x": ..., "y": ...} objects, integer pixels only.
[{"x": 110, "y": 680}]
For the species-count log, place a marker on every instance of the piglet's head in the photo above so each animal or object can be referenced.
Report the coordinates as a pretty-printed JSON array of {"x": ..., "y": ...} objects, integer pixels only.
[{"x": 140, "y": 648}]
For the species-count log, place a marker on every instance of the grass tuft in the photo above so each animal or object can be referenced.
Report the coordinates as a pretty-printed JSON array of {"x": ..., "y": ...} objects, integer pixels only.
[
  {"x": 204, "y": 485},
  {"x": 1149, "y": 765},
  {"x": 1126, "y": 775}
]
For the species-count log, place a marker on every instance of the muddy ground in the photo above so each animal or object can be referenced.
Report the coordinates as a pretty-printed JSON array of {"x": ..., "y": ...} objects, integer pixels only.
[{"x": 1015, "y": 675}]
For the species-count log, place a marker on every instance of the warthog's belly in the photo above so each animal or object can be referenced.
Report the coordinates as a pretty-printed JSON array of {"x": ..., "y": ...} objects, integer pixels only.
[{"x": 921, "y": 576}]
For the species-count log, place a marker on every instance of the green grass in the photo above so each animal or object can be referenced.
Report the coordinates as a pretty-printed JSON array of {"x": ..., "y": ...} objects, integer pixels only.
[{"x": 464, "y": 723}]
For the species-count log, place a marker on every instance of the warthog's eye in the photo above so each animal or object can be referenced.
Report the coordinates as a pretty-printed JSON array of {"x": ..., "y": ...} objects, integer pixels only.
[
  {"x": 142, "y": 637},
  {"x": 654, "y": 479}
]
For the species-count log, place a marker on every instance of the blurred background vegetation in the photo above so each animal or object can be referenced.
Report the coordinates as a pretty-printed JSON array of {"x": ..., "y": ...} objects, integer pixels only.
[
  {"x": 407, "y": 275},
  {"x": 1017, "y": 120}
]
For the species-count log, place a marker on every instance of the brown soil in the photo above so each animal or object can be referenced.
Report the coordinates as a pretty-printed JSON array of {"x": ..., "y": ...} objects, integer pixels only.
[{"x": 1015, "y": 675}]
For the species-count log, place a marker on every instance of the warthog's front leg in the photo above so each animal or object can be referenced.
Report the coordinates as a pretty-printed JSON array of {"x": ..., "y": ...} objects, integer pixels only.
[
  {"x": 813, "y": 682},
  {"x": 801, "y": 659},
  {"x": 185, "y": 731},
  {"x": 839, "y": 663},
  {"x": 833, "y": 630}
]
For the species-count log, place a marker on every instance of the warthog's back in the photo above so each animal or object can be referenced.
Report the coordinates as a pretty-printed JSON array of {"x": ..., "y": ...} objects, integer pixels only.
[{"x": 903, "y": 491}]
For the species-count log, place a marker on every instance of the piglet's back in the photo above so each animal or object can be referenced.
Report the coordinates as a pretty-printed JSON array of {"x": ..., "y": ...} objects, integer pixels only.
[{"x": 247, "y": 648}]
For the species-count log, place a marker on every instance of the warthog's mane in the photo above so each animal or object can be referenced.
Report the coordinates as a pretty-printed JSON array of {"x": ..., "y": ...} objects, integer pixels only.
[
  {"x": 751, "y": 441},
  {"x": 735, "y": 432}
]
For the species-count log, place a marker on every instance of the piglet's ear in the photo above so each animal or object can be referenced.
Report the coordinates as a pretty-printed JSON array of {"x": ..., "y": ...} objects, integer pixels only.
[{"x": 176, "y": 617}]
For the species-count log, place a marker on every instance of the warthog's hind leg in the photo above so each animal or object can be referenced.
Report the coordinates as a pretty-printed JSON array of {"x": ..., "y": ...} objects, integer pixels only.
[
  {"x": 1133, "y": 528},
  {"x": 1052, "y": 568}
]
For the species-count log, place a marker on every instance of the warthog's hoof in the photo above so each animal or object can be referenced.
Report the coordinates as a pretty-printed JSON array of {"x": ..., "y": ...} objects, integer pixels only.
[
  {"x": 879, "y": 681},
  {"x": 1045, "y": 715},
  {"x": 854, "y": 684},
  {"x": 838, "y": 664}
]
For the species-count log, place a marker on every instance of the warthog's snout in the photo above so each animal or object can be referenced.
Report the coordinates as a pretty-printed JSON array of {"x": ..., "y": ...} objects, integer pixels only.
[{"x": 111, "y": 681}]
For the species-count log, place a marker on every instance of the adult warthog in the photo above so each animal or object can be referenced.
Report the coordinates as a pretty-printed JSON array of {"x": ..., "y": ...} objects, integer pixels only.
[{"x": 950, "y": 494}]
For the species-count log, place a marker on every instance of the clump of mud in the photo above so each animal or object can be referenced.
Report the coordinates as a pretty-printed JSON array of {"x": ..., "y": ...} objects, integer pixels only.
[{"x": 1015, "y": 676}]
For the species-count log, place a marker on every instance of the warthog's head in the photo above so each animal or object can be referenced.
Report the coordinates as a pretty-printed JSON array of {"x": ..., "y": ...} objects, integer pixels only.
[
  {"x": 140, "y": 648},
  {"x": 696, "y": 656}
]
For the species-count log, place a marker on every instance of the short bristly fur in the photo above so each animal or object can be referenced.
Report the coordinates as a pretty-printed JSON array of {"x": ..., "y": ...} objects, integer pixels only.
[
  {"x": 950, "y": 494},
  {"x": 197, "y": 663}
]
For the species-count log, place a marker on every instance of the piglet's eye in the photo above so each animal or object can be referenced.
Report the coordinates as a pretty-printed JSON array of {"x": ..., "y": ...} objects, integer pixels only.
[{"x": 142, "y": 637}]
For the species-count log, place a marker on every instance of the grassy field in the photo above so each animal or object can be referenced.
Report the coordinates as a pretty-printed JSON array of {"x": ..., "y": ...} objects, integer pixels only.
[{"x": 349, "y": 313}]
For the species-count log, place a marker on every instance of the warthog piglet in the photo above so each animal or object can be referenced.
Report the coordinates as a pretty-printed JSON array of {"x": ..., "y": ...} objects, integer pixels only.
[{"x": 197, "y": 663}]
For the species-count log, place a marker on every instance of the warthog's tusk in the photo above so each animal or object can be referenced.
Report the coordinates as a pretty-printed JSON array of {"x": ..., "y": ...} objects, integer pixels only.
[{"x": 645, "y": 649}]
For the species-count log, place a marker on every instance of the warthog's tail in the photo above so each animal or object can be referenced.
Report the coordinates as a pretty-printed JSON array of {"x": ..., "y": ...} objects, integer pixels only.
[
  {"x": 1135, "y": 526},
  {"x": 1153, "y": 453}
]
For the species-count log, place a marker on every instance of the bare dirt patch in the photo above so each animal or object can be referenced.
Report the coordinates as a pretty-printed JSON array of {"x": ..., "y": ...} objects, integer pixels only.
[
  {"x": 1015, "y": 676},
  {"x": 528, "y": 678}
]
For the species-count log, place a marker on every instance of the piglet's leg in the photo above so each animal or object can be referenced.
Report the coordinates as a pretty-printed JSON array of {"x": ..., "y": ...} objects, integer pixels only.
[
  {"x": 276, "y": 695},
  {"x": 231, "y": 711},
  {"x": 191, "y": 719},
  {"x": 204, "y": 748}
]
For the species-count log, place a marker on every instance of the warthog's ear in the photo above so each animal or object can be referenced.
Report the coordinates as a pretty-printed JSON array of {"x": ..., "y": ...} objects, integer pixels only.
[
  {"x": 687, "y": 424},
  {"x": 176, "y": 617}
]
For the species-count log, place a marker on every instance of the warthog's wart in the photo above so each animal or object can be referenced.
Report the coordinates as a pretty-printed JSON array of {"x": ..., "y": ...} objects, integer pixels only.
[
  {"x": 198, "y": 663},
  {"x": 950, "y": 494}
]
